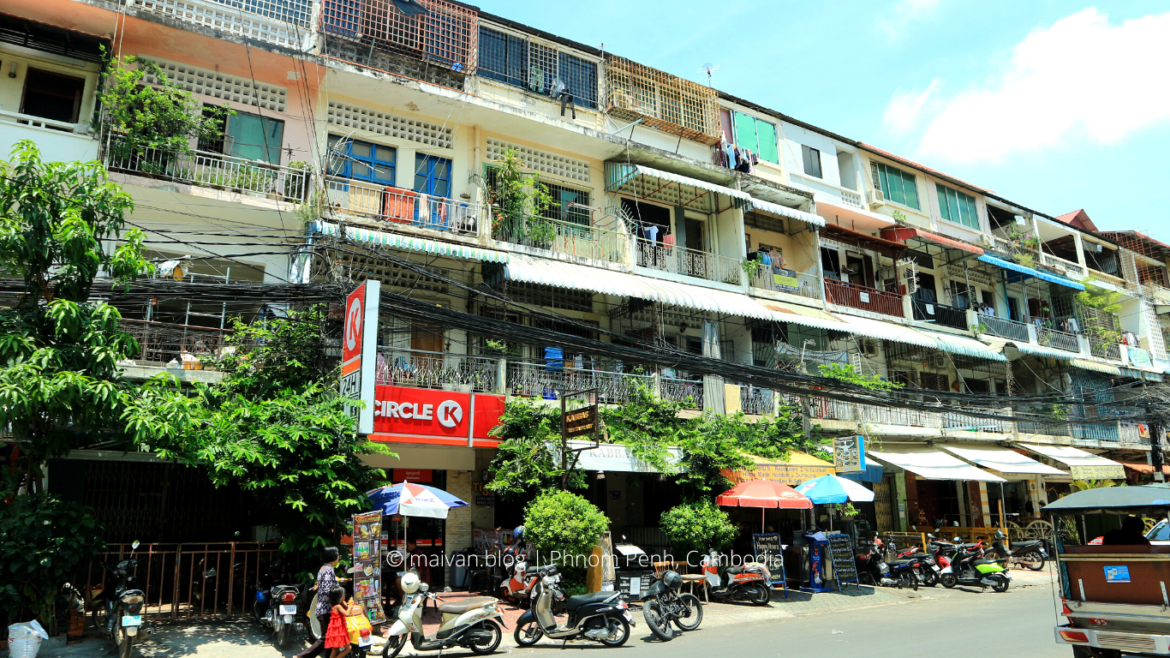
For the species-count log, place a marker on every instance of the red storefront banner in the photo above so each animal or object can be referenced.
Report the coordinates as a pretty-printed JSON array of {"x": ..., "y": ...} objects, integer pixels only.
[
  {"x": 445, "y": 415},
  {"x": 351, "y": 342}
]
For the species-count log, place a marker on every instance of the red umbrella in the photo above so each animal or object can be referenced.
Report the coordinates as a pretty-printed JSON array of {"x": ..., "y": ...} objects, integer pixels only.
[{"x": 762, "y": 493}]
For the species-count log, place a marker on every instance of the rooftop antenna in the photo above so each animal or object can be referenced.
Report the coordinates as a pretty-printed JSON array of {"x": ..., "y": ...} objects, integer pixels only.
[{"x": 708, "y": 68}]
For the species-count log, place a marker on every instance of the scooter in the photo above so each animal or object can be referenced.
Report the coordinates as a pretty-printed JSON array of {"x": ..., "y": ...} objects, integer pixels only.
[
  {"x": 602, "y": 617},
  {"x": 970, "y": 568},
  {"x": 1030, "y": 554},
  {"x": 124, "y": 608},
  {"x": 518, "y": 588},
  {"x": 749, "y": 582},
  {"x": 871, "y": 563},
  {"x": 469, "y": 624}
]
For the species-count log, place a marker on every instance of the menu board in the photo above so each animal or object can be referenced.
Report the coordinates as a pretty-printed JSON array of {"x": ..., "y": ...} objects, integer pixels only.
[
  {"x": 769, "y": 551},
  {"x": 844, "y": 561},
  {"x": 367, "y": 563}
]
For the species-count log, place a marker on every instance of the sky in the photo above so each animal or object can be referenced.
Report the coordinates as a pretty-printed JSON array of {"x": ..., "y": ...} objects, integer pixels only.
[{"x": 1054, "y": 105}]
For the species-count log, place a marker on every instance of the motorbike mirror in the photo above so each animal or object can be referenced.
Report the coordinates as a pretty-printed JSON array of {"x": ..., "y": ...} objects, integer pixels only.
[{"x": 134, "y": 546}]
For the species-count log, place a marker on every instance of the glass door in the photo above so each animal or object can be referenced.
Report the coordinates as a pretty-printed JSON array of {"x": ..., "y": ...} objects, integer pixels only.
[{"x": 432, "y": 181}]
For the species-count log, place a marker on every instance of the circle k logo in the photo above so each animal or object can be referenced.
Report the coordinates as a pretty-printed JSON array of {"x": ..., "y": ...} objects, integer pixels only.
[
  {"x": 353, "y": 324},
  {"x": 449, "y": 413}
]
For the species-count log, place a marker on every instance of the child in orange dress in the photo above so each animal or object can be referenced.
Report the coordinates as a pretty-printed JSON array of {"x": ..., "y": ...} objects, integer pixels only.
[{"x": 337, "y": 636}]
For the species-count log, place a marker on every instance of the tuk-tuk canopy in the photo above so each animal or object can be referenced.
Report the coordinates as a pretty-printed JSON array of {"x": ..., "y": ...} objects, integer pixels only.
[{"x": 1146, "y": 499}]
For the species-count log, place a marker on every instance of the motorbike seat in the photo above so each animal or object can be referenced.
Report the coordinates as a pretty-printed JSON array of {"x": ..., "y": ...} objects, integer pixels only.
[
  {"x": 899, "y": 563},
  {"x": 465, "y": 605},
  {"x": 574, "y": 602},
  {"x": 981, "y": 561},
  {"x": 1022, "y": 545},
  {"x": 731, "y": 571}
]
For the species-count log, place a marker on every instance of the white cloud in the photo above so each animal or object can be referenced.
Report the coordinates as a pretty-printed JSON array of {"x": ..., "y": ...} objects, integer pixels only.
[
  {"x": 905, "y": 12},
  {"x": 905, "y": 107},
  {"x": 1082, "y": 78}
]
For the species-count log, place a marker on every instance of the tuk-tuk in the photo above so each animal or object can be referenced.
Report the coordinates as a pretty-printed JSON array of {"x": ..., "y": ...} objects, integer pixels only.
[{"x": 1114, "y": 595}]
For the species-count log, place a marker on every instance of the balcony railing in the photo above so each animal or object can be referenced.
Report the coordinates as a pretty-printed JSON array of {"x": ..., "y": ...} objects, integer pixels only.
[
  {"x": 1096, "y": 431},
  {"x": 957, "y": 420},
  {"x": 1105, "y": 350},
  {"x": 275, "y": 23},
  {"x": 446, "y": 34},
  {"x": 1068, "y": 266},
  {"x": 214, "y": 170},
  {"x": 863, "y": 297},
  {"x": 690, "y": 262},
  {"x": 682, "y": 390},
  {"x": 805, "y": 284},
  {"x": 941, "y": 314},
  {"x": 830, "y": 409},
  {"x": 58, "y": 141},
  {"x": 1128, "y": 433},
  {"x": 661, "y": 101},
  {"x": 1061, "y": 340},
  {"x": 421, "y": 369},
  {"x": 562, "y": 237},
  {"x": 161, "y": 342},
  {"x": 1004, "y": 328},
  {"x": 757, "y": 401},
  {"x": 406, "y": 207},
  {"x": 541, "y": 380}
]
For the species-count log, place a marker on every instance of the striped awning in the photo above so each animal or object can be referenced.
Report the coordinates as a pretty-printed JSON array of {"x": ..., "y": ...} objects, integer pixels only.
[
  {"x": 966, "y": 347},
  {"x": 1027, "y": 271},
  {"x": 785, "y": 211},
  {"x": 886, "y": 331},
  {"x": 618, "y": 174},
  {"x": 1140, "y": 374},
  {"x": 1040, "y": 350},
  {"x": 621, "y": 284},
  {"x": 408, "y": 242},
  {"x": 808, "y": 317},
  {"x": 1104, "y": 368}
]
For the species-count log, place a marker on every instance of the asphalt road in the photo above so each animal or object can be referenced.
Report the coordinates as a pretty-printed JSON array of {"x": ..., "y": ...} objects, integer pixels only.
[{"x": 1017, "y": 624}]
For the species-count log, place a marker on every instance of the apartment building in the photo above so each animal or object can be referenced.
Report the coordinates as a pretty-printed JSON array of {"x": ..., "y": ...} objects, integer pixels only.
[{"x": 366, "y": 143}]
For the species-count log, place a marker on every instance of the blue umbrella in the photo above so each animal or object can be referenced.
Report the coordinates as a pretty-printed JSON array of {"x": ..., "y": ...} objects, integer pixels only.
[
  {"x": 412, "y": 499},
  {"x": 832, "y": 489}
]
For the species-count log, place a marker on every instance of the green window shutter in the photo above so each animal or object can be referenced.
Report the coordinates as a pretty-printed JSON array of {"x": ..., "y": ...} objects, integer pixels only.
[
  {"x": 942, "y": 202},
  {"x": 967, "y": 211},
  {"x": 897, "y": 194},
  {"x": 766, "y": 134},
  {"x": 883, "y": 179},
  {"x": 745, "y": 132},
  {"x": 911, "y": 186},
  {"x": 255, "y": 138}
]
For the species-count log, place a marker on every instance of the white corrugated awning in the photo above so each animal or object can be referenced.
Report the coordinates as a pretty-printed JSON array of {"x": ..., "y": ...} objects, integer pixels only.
[
  {"x": 409, "y": 242},
  {"x": 1084, "y": 465},
  {"x": 618, "y": 174},
  {"x": 1000, "y": 459},
  {"x": 931, "y": 464},
  {"x": 1040, "y": 350},
  {"x": 886, "y": 331},
  {"x": 610, "y": 282},
  {"x": 808, "y": 317},
  {"x": 785, "y": 211},
  {"x": 1104, "y": 368},
  {"x": 966, "y": 347}
]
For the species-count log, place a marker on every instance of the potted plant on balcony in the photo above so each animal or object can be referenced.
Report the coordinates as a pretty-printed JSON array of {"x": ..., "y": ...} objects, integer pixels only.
[
  {"x": 515, "y": 195},
  {"x": 149, "y": 126},
  {"x": 751, "y": 267}
]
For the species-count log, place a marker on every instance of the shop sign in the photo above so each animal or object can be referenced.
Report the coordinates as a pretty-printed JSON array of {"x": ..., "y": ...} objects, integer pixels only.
[
  {"x": 485, "y": 501},
  {"x": 790, "y": 474},
  {"x": 849, "y": 454},
  {"x": 359, "y": 345},
  {"x": 611, "y": 457},
  {"x": 1101, "y": 472},
  {"x": 413, "y": 475},
  {"x": 785, "y": 279},
  {"x": 424, "y": 412}
]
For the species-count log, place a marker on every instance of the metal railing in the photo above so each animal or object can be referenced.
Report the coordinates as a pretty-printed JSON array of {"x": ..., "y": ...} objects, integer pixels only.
[
  {"x": 863, "y": 297},
  {"x": 682, "y": 390},
  {"x": 805, "y": 284},
  {"x": 162, "y": 342},
  {"x": 1004, "y": 328},
  {"x": 1128, "y": 433},
  {"x": 214, "y": 170},
  {"x": 37, "y": 122},
  {"x": 562, "y": 237},
  {"x": 1096, "y": 431},
  {"x": 542, "y": 380},
  {"x": 421, "y": 369},
  {"x": 1047, "y": 428},
  {"x": 1061, "y": 340},
  {"x": 954, "y": 420},
  {"x": 1059, "y": 263},
  {"x": 941, "y": 314},
  {"x": 757, "y": 401},
  {"x": 830, "y": 409},
  {"x": 1105, "y": 350},
  {"x": 393, "y": 204},
  {"x": 690, "y": 262}
]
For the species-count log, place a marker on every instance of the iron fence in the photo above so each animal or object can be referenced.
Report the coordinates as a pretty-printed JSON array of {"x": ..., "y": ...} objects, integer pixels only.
[
  {"x": 162, "y": 342},
  {"x": 421, "y": 369},
  {"x": 690, "y": 262}
]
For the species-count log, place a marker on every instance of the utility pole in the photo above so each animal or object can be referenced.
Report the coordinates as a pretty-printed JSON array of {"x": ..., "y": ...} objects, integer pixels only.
[{"x": 1153, "y": 416}]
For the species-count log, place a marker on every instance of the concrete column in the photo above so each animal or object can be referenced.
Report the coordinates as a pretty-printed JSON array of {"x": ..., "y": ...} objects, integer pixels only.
[
  {"x": 459, "y": 484},
  {"x": 712, "y": 384}
]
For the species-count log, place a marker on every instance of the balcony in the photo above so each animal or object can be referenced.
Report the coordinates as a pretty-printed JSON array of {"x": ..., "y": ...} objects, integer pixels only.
[
  {"x": 757, "y": 401},
  {"x": 542, "y": 380},
  {"x": 275, "y": 23},
  {"x": 941, "y": 314},
  {"x": 863, "y": 297},
  {"x": 682, "y": 390},
  {"x": 834, "y": 193},
  {"x": 1004, "y": 328},
  {"x": 160, "y": 342},
  {"x": 805, "y": 284},
  {"x": 212, "y": 170},
  {"x": 58, "y": 141},
  {"x": 688, "y": 262},
  {"x": 405, "y": 207},
  {"x": 1063, "y": 266},
  {"x": 421, "y": 369},
  {"x": 661, "y": 101},
  {"x": 568, "y": 238},
  {"x": 1061, "y": 340}
]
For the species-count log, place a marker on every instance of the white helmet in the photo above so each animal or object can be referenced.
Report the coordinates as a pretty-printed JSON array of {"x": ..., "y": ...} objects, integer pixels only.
[{"x": 410, "y": 582}]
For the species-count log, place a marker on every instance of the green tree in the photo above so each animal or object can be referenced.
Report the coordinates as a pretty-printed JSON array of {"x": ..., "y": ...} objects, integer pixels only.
[
  {"x": 697, "y": 526},
  {"x": 277, "y": 427},
  {"x": 517, "y": 198},
  {"x": 525, "y": 460},
  {"x": 563, "y": 526}
]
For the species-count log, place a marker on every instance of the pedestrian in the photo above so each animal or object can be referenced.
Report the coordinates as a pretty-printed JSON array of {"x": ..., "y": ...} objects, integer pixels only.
[
  {"x": 337, "y": 636},
  {"x": 327, "y": 581}
]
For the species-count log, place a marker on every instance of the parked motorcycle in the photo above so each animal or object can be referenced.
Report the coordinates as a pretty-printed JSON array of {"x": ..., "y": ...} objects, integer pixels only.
[
  {"x": 602, "y": 617},
  {"x": 663, "y": 605},
  {"x": 1029, "y": 554},
  {"x": 927, "y": 569},
  {"x": 750, "y": 582},
  {"x": 469, "y": 624},
  {"x": 968, "y": 567},
  {"x": 124, "y": 609},
  {"x": 872, "y": 565},
  {"x": 518, "y": 587}
]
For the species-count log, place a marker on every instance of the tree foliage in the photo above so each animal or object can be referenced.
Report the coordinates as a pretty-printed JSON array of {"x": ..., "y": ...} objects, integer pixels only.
[
  {"x": 61, "y": 386},
  {"x": 563, "y": 524},
  {"x": 697, "y": 526},
  {"x": 277, "y": 427},
  {"x": 524, "y": 462}
]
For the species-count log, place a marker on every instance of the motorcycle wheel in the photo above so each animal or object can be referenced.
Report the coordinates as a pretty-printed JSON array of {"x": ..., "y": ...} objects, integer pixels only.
[
  {"x": 284, "y": 635},
  {"x": 623, "y": 636},
  {"x": 948, "y": 580},
  {"x": 759, "y": 594},
  {"x": 126, "y": 646},
  {"x": 928, "y": 577},
  {"x": 657, "y": 620},
  {"x": 1001, "y": 584},
  {"x": 313, "y": 625},
  {"x": 493, "y": 644},
  {"x": 1033, "y": 560},
  {"x": 258, "y": 610},
  {"x": 393, "y": 646},
  {"x": 528, "y": 633},
  {"x": 691, "y": 614}
]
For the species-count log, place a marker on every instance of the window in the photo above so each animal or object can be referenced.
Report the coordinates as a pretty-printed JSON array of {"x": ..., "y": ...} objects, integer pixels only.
[
  {"x": 361, "y": 160},
  {"x": 898, "y": 186},
  {"x": 515, "y": 61},
  {"x": 757, "y": 136},
  {"x": 247, "y": 136},
  {"x": 812, "y": 161},
  {"x": 957, "y": 207},
  {"x": 51, "y": 96},
  {"x": 935, "y": 381},
  {"x": 432, "y": 175},
  {"x": 569, "y": 205}
]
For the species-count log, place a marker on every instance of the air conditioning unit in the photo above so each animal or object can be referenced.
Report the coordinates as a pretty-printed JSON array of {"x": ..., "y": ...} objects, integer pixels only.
[
  {"x": 875, "y": 199},
  {"x": 938, "y": 360},
  {"x": 987, "y": 240}
]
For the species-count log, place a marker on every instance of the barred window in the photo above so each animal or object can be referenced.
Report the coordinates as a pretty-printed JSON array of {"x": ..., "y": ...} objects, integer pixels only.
[
  {"x": 523, "y": 63},
  {"x": 549, "y": 296}
]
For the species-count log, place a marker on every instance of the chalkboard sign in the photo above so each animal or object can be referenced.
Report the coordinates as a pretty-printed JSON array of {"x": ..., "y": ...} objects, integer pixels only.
[
  {"x": 769, "y": 551},
  {"x": 844, "y": 562},
  {"x": 634, "y": 584}
]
